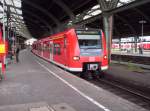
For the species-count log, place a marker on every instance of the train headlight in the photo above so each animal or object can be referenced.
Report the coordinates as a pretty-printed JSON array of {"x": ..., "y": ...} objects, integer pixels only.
[
  {"x": 76, "y": 58},
  {"x": 105, "y": 57}
]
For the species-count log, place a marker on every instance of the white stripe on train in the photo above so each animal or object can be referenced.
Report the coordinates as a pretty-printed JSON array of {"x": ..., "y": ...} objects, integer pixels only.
[{"x": 70, "y": 68}]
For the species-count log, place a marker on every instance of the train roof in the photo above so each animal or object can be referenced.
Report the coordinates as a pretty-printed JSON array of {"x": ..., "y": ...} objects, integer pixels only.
[{"x": 67, "y": 30}]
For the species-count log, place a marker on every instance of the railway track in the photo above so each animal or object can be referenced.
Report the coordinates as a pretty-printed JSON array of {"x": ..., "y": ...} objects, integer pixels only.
[
  {"x": 125, "y": 91},
  {"x": 133, "y": 59}
]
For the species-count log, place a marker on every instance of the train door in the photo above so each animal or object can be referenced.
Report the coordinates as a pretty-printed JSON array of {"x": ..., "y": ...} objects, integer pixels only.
[
  {"x": 47, "y": 50},
  {"x": 51, "y": 50},
  {"x": 65, "y": 52},
  {"x": 41, "y": 49}
]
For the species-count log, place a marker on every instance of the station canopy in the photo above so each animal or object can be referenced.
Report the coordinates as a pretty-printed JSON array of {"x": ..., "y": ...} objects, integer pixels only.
[
  {"x": 39, "y": 18},
  {"x": 13, "y": 16}
]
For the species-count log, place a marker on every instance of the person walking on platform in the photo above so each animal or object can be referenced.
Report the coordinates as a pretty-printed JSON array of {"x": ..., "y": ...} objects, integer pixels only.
[
  {"x": 17, "y": 54},
  {"x": 140, "y": 49}
]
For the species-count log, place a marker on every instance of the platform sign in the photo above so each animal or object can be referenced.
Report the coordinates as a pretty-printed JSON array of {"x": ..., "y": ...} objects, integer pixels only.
[{"x": 2, "y": 49}]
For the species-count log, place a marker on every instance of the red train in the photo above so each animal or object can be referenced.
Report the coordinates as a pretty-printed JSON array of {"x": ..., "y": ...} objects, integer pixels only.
[{"x": 75, "y": 50}]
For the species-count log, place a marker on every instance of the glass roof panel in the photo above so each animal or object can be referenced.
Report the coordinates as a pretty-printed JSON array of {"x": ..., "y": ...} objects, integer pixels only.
[
  {"x": 19, "y": 11},
  {"x": 122, "y": 2},
  {"x": 1, "y": 15},
  {"x": 15, "y": 14},
  {"x": 1, "y": 8},
  {"x": 119, "y": 4},
  {"x": 127, "y": 1},
  {"x": 17, "y": 3},
  {"x": 96, "y": 6},
  {"x": 9, "y": 2},
  {"x": 12, "y": 9},
  {"x": 95, "y": 10}
]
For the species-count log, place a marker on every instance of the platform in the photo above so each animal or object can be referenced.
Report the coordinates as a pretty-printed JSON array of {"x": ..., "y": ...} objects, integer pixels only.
[
  {"x": 131, "y": 58},
  {"x": 33, "y": 81},
  {"x": 143, "y": 66},
  {"x": 146, "y": 53},
  {"x": 130, "y": 73}
]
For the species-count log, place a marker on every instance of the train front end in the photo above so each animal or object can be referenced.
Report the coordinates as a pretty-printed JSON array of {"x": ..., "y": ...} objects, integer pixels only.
[{"x": 91, "y": 55}]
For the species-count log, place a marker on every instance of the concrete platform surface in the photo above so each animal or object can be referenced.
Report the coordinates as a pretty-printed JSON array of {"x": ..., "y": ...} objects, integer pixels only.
[
  {"x": 34, "y": 81},
  {"x": 24, "y": 107},
  {"x": 41, "y": 106}
]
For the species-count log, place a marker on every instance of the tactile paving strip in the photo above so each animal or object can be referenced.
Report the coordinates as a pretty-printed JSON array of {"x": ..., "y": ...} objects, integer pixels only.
[{"x": 43, "y": 108}]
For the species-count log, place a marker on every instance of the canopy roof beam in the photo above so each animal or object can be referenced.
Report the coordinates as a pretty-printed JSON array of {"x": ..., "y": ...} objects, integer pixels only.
[
  {"x": 65, "y": 8},
  {"x": 56, "y": 21}
]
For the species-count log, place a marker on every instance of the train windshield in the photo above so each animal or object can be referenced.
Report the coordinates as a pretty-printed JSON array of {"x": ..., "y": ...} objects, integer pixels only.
[
  {"x": 89, "y": 40},
  {"x": 90, "y": 43}
]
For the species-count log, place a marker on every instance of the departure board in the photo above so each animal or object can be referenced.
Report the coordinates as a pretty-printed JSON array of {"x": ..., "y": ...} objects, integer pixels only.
[{"x": 87, "y": 32}]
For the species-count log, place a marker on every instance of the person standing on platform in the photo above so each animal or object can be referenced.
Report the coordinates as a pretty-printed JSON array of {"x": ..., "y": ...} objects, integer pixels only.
[
  {"x": 140, "y": 49},
  {"x": 17, "y": 54}
]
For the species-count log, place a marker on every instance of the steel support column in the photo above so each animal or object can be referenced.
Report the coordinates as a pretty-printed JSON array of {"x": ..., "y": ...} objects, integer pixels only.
[
  {"x": 135, "y": 43},
  {"x": 105, "y": 6},
  {"x": 108, "y": 30}
]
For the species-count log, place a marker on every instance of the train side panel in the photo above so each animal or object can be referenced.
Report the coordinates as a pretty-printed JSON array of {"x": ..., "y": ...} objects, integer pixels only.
[
  {"x": 60, "y": 51},
  {"x": 74, "y": 52},
  {"x": 46, "y": 51},
  {"x": 64, "y": 50}
]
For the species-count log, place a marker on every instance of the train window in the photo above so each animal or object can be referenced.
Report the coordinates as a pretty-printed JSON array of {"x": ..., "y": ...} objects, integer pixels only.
[
  {"x": 57, "y": 49},
  {"x": 46, "y": 47},
  {"x": 89, "y": 41},
  {"x": 51, "y": 48},
  {"x": 54, "y": 51},
  {"x": 39, "y": 47},
  {"x": 65, "y": 42}
]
